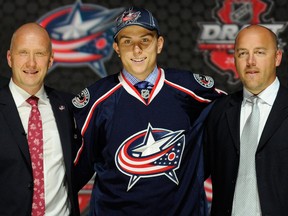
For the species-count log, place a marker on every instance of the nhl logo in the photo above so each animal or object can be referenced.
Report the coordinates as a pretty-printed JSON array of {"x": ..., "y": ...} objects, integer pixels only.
[
  {"x": 145, "y": 93},
  {"x": 241, "y": 12}
]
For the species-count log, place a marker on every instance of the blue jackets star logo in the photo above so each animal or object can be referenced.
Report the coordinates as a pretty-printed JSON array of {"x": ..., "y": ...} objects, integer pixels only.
[
  {"x": 150, "y": 153},
  {"x": 82, "y": 34}
]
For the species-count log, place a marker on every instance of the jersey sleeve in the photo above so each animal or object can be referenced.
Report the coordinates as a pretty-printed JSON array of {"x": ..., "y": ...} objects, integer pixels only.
[
  {"x": 200, "y": 87},
  {"x": 82, "y": 108},
  {"x": 205, "y": 86}
]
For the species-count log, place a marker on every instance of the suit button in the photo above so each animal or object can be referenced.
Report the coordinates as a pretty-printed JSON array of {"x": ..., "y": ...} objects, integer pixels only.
[{"x": 30, "y": 186}]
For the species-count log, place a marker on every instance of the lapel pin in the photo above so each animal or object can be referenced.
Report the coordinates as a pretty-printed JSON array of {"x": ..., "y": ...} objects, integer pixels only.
[{"x": 62, "y": 107}]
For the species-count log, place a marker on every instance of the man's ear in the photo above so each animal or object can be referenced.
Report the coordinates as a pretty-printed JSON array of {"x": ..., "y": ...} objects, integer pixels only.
[
  {"x": 278, "y": 57},
  {"x": 8, "y": 56},
  {"x": 116, "y": 48},
  {"x": 160, "y": 44},
  {"x": 51, "y": 60}
]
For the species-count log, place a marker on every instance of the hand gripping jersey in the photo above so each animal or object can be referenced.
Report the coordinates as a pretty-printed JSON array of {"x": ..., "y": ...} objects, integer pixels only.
[{"x": 147, "y": 155}]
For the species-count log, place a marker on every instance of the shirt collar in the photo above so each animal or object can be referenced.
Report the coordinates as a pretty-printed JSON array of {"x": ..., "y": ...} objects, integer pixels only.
[
  {"x": 20, "y": 96},
  {"x": 268, "y": 95},
  {"x": 133, "y": 80}
]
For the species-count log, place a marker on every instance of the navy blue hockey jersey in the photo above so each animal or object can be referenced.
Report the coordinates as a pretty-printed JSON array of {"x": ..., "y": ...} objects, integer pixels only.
[{"x": 147, "y": 155}]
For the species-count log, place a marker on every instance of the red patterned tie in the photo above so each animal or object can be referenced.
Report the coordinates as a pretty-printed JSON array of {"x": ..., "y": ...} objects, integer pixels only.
[{"x": 35, "y": 141}]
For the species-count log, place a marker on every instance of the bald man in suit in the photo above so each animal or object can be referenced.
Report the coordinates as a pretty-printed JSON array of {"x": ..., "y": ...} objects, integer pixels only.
[
  {"x": 250, "y": 178},
  {"x": 30, "y": 56}
]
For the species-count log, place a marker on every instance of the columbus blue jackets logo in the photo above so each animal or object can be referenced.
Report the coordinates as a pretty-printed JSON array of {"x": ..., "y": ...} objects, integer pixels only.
[
  {"x": 205, "y": 81},
  {"x": 128, "y": 17},
  {"x": 82, "y": 35},
  {"x": 82, "y": 99},
  {"x": 150, "y": 153}
]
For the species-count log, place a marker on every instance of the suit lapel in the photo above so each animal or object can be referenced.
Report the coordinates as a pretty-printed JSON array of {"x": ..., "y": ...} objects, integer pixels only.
[
  {"x": 62, "y": 115},
  {"x": 233, "y": 118},
  {"x": 10, "y": 113},
  {"x": 278, "y": 114}
]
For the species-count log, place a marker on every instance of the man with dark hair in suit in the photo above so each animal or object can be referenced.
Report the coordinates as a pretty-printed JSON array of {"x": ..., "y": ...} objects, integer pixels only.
[{"x": 37, "y": 133}]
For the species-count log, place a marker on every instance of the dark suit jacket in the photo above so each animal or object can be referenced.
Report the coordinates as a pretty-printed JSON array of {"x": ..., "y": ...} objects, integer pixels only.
[
  {"x": 222, "y": 147},
  {"x": 3, "y": 81},
  {"x": 16, "y": 180}
]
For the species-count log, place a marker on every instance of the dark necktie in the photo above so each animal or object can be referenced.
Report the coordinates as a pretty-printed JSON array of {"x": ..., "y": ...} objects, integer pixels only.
[
  {"x": 144, "y": 88},
  {"x": 35, "y": 141},
  {"x": 246, "y": 200}
]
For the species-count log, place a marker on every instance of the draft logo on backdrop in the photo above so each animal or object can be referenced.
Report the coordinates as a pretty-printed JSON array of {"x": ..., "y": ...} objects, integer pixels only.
[
  {"x": 82, "y": 35},
  {"x": 216, "y": 39}
]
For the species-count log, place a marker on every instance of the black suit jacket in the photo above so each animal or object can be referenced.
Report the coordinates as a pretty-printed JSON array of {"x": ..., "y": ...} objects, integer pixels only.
[
  {"x": 3, "y": 81},
  {"x": 222, "y": 147},
  {"x": 16, "y": 179}
]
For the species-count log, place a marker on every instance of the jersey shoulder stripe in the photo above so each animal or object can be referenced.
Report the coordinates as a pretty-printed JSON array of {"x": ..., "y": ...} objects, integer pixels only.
[
  {"x": 95, "y": 104},
  {"x": 189, "y": 92}
]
